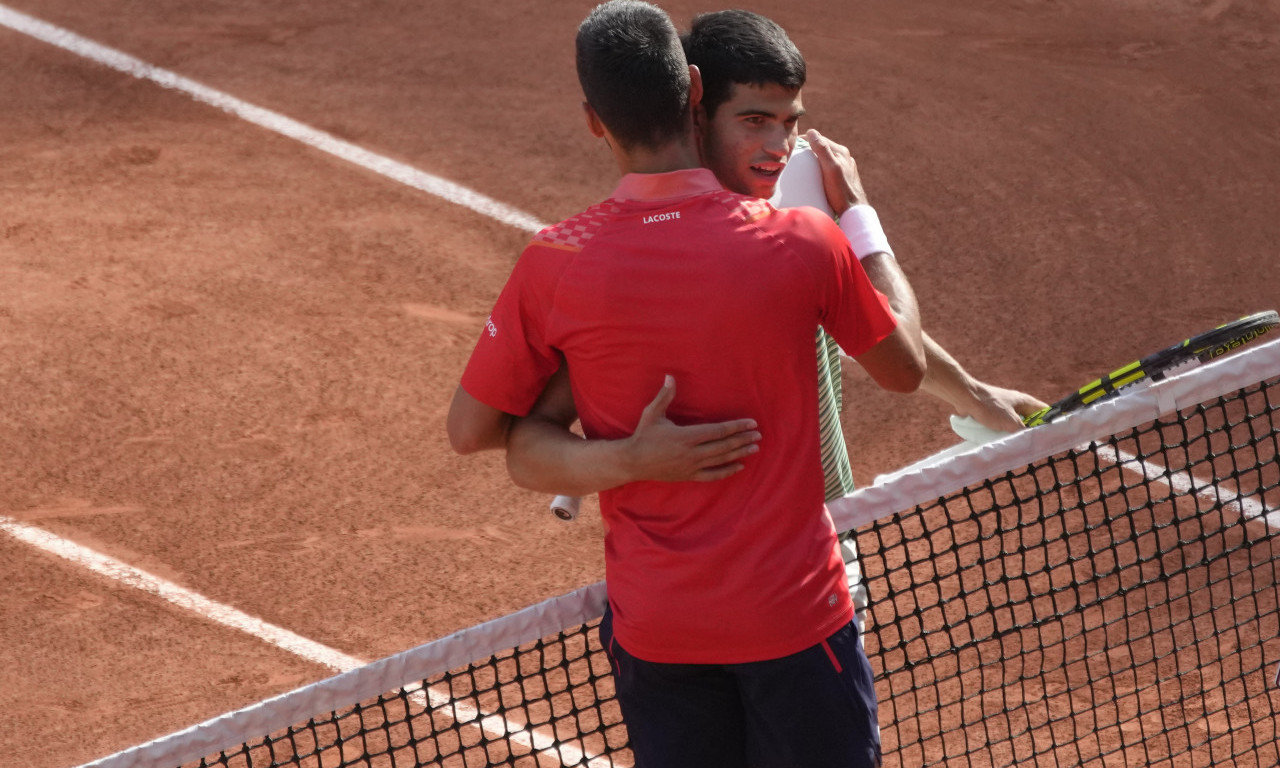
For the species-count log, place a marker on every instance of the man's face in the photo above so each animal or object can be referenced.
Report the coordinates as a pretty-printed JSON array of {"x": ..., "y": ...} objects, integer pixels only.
[{"x": 748, "y": 141}]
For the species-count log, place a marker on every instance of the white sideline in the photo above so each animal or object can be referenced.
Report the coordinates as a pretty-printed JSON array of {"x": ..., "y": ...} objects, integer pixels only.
[
  {"x": 846, "y": 510},
  {"x": 325, "y": 142},
  {"x": 179, "y": 596},
  {"x": 374, "y": 679},
  {"x": 272, "y": 121},
  {"x": 129, "y": 575},
  {"x": 1184, "y": 482}
]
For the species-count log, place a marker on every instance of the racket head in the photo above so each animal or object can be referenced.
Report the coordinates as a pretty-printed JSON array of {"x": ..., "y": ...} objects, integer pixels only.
[{"x": 1202, "y": 348}]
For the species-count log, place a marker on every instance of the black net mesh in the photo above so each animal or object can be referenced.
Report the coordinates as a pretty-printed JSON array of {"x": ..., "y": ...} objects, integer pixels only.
[
  {"x": 1110, "y": 606},
  {"x": 1114, "y": 605},
  {"x": 547, "y": 703}
]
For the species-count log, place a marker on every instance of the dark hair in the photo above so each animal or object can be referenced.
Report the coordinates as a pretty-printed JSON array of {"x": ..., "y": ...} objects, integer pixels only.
[
  {"x": 633, "y": 72},
  {"x": 741, "y": 47}
]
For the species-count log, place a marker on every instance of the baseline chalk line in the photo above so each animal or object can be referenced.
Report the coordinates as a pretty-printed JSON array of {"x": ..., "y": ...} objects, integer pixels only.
[
  {"x": 325, "y": 142},
  {"x": 180, "y": 596},
  {"x": 495, "y": 726},
  {"x": 272, "y": 121}
]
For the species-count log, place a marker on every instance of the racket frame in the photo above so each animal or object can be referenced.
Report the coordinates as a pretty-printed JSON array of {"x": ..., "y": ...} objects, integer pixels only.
[{"x": 1154, "y": 367}]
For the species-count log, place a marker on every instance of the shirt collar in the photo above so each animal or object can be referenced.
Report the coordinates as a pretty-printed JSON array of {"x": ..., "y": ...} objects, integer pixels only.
[{"x": 661, "y": 186}]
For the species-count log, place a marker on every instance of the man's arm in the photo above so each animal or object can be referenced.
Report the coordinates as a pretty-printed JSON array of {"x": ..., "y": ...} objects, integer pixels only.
[
  {"x": 993, "y": 407},
  {"x": 474, "y": 426},
  {"x": 882, "y": 269},
  {"x": 895, "y": 363},
  {"x": 544, "y": 455},
  {"x": 843, "y": 188}
]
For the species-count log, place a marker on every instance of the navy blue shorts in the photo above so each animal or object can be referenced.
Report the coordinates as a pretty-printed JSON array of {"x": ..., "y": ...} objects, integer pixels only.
[{"x": 812, "y": 709}]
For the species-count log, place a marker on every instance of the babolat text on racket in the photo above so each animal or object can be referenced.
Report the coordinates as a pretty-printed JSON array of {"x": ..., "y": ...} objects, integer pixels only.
[{"x": 1190, "y": 352}]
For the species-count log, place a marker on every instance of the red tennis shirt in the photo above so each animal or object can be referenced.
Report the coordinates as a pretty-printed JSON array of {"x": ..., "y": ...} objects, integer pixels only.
[{"x": 673, "y": 274}]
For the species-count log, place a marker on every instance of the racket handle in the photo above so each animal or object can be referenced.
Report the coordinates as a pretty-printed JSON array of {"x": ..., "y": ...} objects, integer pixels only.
[
  {"x": 1042, "y": 416},
  {"x": 566, "y": 507}
]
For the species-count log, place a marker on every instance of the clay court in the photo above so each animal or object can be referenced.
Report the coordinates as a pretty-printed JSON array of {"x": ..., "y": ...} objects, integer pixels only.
[{"x": 226, "y": 356}]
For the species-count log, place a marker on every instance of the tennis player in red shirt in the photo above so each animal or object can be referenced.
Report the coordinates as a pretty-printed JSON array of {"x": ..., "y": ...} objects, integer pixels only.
[
  {"x": 747, "y": 122},
  {"x": 729, "y": 625}
]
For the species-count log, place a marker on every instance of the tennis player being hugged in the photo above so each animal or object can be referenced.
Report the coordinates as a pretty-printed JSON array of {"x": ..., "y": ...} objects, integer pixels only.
[
  {"x": 748, "y": 128},
  {"x": 729, "y": 623}
]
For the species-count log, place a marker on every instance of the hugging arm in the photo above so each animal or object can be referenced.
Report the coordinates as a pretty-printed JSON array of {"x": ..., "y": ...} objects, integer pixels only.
[
  {"x": 544, "y": 455},
  {"x": 474, "y": 426},
  {"x": 994, "y": 407}
]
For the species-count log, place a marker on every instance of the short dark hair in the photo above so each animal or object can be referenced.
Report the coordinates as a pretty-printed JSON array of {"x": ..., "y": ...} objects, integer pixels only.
[
  {"x": 633, "y": 72},
  {"x": 740, "y": 47}
]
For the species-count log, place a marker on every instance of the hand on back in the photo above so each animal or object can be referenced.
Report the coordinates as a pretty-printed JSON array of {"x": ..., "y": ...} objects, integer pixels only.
[{"x": 664, "y": 451}]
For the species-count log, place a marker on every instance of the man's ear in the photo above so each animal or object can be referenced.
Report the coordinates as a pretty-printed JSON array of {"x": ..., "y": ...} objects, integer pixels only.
[
  {"x": 594, "y": 123},
  {"x": 695, "y": 87},
  {"x": 699, "y": 111}
]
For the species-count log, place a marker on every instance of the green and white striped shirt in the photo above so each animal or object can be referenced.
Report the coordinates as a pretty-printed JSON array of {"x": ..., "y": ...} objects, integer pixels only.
[{"x": 836, "y": 469}]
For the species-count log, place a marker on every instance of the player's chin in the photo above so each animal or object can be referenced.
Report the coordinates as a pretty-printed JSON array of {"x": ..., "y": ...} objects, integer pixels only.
[{"x": 763, "y": 184}]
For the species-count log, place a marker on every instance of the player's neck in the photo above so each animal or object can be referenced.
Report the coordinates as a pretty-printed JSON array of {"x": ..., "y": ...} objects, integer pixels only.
[{"x": 676, "y": 156}]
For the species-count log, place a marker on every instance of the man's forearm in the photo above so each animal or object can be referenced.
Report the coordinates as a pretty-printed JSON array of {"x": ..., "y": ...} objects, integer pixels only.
[
  {"x": 996, "y": 408},
  {"x": 944, "y": 378},
  {"x": 543, "y": 455}
]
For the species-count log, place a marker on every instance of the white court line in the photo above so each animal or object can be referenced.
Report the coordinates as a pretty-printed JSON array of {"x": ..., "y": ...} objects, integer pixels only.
[
  {"x": 1184, "y": 482},
  {"x": 325, "y": 142},
  {"x": 272, "y": 121},
  {"x": 114, "y": 569},
  {"x": 179, "y": 596}
]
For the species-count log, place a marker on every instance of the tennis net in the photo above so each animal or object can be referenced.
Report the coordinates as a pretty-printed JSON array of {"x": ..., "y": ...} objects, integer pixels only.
[{"x": 1099, "y": 591}]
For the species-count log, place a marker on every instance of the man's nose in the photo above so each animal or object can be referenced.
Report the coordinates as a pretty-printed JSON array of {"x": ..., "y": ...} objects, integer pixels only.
[{"x": 778, "y": 144}]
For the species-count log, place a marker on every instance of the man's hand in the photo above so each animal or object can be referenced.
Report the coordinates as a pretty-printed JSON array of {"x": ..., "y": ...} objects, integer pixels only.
[
  {"x": 996, "y": 407},
  {"x": 993, "y": 407},
  {"x": 661, "y": 450},
  {"x": 543, "y": 455},
  {"x": 840, "y": 178}
]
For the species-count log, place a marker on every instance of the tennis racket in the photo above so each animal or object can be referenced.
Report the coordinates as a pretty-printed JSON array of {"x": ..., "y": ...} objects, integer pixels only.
[{"x": 1182, "y": 356}]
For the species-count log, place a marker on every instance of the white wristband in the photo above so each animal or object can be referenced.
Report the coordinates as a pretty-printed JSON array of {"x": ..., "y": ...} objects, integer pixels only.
[{"x": 862, "y": 226}]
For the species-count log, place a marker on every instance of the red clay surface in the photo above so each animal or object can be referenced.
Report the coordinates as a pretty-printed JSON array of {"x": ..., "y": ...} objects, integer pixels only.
[{"x": 225, "y": 357}]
